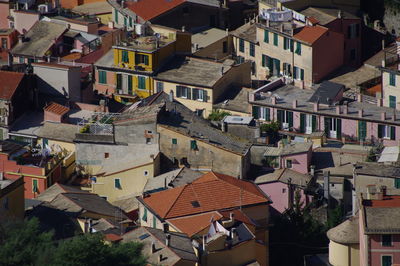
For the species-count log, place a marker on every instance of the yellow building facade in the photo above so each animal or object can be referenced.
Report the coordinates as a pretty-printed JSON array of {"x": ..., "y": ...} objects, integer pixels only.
[{"x": 12, "y": 204}]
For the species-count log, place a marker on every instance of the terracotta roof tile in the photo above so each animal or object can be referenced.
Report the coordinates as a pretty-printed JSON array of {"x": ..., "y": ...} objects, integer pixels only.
[
  {"x": 310, "y": 34},
  {"x": 193, "y": 224},
  {"x": 9, "y": 82},
  {"x": 387, "y": 201},
  {"x": 149, "y": 9},
  {"x": 56, "y": 108},
  {"x": 210, "y": 192}
]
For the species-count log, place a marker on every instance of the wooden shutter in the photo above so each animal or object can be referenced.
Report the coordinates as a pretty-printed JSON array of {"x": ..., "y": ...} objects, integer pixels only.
[
  {"x": 314, "y": 123},
  {"x": 285, "y": 43},
  {"x": 339, "y": 128},
  {"x": 178, "y": 91},
  {"x": 302, "y": 123},
  {"x": 380, "y": 131},
  {"x": 195, "y": 93},
  {"x": 119, "y": 81},
  {"x": 302, "y": 74},
  {"x": 290, "y": 119},
  {"x": 189, "y": 93},
  {"x": 280, "y": 114},
  {"x": 295, "y": 72},
  {"x": 291, "y": 45},
  {"x": 327, "y": 122},
  {"x": 263, "y": 63},
  {"x": 205, "y": 96},
  {"x": 146, "y": 60},
  {"x": 266, "y": 36},
  {"x": 392, "y": 133},
  {"x": 267, "y": 114},
  {"x": 256, "y": 112},
  {"x": 362, "y": 130},
  {"x": 129, "y": 84}
]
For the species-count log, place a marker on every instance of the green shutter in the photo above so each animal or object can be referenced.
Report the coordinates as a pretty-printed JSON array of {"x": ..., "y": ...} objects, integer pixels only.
[
  {"x": 264, "y": 59},
  {"x": 392, "y": 101},
  {"x": 119, "y": 81},
  {"x": 277, "y": 66},
  {"x": 117, "y": 183},
  {"x": 362, "y": 130},
  {"x": 386, "y": 261},
  {"x": 144, "y": 218},
  {"x": 256, "y": 111},
  {"x": 252, "y": 49},
  {"x": 115, "y": 15},
  {"x": 279, "y": 114},
  {"x": 290, "y": 119},
  {"x": 339, "y": 128},
  {"x": 397, "y": 182},
  {"x": 154, "y": 221},
  {"x": 298, "y": 48},
  {"x": 142, "y": 83},
  {"x": 125, "y": 57},
  {"x": 291, "y": 45},
  {"x": 302, "y": 123},
  {"x": 314, "y": 123},
  {"x": 146, "y": 60},
  {"x": 392, "y": 80},
  {"x": 285, "y": 45},
  {"x": 125, "y": 21},
  {"x": 276, "y": 41},
  {"x": 241, "y": 45},
  {"x": 129, "y": 84},
  {"x": 270, "y": 63},
  {"x": 327, "y": 122},
  {"x": 35, "y": 187},
  {"x": 392, "y": 133},
  {"x": 205, "y": 96},
  {"x": 295, "y": 72},
  {"x": 302, "y": 74},
  {"x": 267, "y": 114},
  {"x": 266, "y": 36},
  {"x": 193, "y": 145},
  {"x": 174, "y": 141},
  {"x": 102, "y": 77},
  {"x": 130, "y": 22},
  {"x": 380, "y": 131}
]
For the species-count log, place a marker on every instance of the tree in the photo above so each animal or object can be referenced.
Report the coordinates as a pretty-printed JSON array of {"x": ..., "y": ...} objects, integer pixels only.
[
  {"x": 24, "y": 244},
  {"x": 217, "y": 115}
]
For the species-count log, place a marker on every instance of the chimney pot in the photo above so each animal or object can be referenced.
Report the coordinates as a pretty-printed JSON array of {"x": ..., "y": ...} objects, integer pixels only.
[
  {"x": 379, "y": 102},
  {"x": 273, "y": 100},
  {"x": 316, "y": 107},
  {"x": 359, "y": 97},
  {"x": 360, "y": 113},
  {"x": 167, "y": 240}
]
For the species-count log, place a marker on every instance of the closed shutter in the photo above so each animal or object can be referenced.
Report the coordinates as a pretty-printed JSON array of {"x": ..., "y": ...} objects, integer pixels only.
[
  {"x": 302, "y": 74},
  {"x": 125, "y": 21},
  {"x": 146, "y": 60},
  {"x": 189, "y": 93},
  {"x": 314, "y": 123},
  {"x": 291, "y": 45},
  {"x": 290, "y": 119},
  {"x": 241, "y": 45},
  {"x": 362, "y": 130},
  {"x": 397, "y": 182},
  {"x": 392, "y": 133},
  {"x": 277, "y": 66},
  {"x": 267, "y": 114},
  {"x": 130, "y": 22},
  {"x": 35, "y": 187},
  {"x": 266, "y": 36},
  {"x": 154, "y": 221},
  {"x": 195, "y": 93},
  {"x": 129, "y": 84},
  {"x": 178, "y": 91},
  {"x": 276, "y": 39},
  {"x": 270, "y": 62},
  {"x": 380, "y": 131},
  {"x": 327, "y": 122},
  {"x": 302, "y": 123},
  {"x": 263, "y": 58},
  {"x": 256, "y": 112},
  {"x": 298, "y": 48},
  {"x": 205, "y": 99},
  {"x": 193, "y": 145},
  {"x": 392, "y": 101},
  {"x": 392, "y": 79},
  {"x": 339, "y": 129},
  {"x": 144, "y": 217},
  {"x": 280, "y": 114},
  {"x": 119, "y": 81},
  {"x": 285, "y": 45},
  {"x": 295, "y": 73},
  {"x": 115, "y": 15}
]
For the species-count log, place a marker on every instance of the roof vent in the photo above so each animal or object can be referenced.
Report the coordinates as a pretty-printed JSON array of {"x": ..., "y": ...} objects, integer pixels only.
[{"x": 195, "y": 204}]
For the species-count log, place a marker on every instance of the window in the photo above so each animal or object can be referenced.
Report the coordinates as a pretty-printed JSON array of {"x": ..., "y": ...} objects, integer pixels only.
[
  {"x": 276, "y": 41},
  {"x": 117, "y": 183},
  {"x": 183, "y": 92},
  {"x": 141, "y": 83},
  {"x": 225, "y": 47},
  {"x": 386, "y": 132},
  {"x": 4, "y": 43},
  {"x": 125, "y": 57},
  {"x": 262, "y": 113},
  {"x": 241, "y": 45},
  {"x": 308, "y": 123},
  {"x": 333, "y": 127},
  {"x": 252, "y": 49},
  {"x": 115, "y": 16},
  {"x": 397, "y": 182},
  {"x": 142, "y": 59},
  {"x": 102, "y": 77},
  {"x": 119, "y": 82},
  {"x": 392, "y": 79},
  {"x": 130, "y": 22},
  {"x": 392, "y": 101},
  {"x": 386, "y": 240},
  {"x": 266, "y": 36},
  {"x": 193, "y": 145},
  {"x": 144, "y": 217},
  {"x": 298, "y": 48},
  {"x": 287, "y": 69},
  {"x": 286, "y": 119},
  {"x": 264, "y": 59},
  {"x": 362, "y": 130},
  {"x": 386, "y": 260},
  {"x": 160, "y": 86},
  {"x": 35, "y": 186},
  {"x": 298, "y": 73},
  {"x": 289, "y": 164},
  {"x": 174, "y": 141},
  {"x": 286, "y": 43},
  {"x": 283, "y": 190},
  {"x": 199, "y": 95},
  {"x": 106, "y": 155}
]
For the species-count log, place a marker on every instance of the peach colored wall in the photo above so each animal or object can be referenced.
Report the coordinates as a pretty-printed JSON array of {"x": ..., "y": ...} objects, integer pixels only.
[
  {"x": 377, "y": 250},
  {"x": 327, "y": 54},
  {"x": 4, "y": 12},
  {"x": 23, "y": 21},
  {"x": 109, "y": 87}
]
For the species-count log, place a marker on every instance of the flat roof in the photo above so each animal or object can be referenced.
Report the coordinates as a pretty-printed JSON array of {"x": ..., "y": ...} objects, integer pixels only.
[
  {"x": 246, "y": 32},
  {"x": 240, "y": 120},
  {"x": 207, "y": 37},
  {"x": 146, "y": 43},
  {"x": 93, "y": 8},
  {"x": 326, "y": 15},
  {"x": 194, "y": 71}
]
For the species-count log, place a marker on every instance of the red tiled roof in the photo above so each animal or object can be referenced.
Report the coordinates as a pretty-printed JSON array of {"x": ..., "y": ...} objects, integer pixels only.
[
  {"x": 210, "y": 192},
  {"x": 113, "y": 237},
  {"x": 56, "y": 108},
  {"x": 387, "y": 201},
  {"x": 149, "y": 9},
  {"x": 313, "y": 20},
  {"x": 310, "y": 34},
  {"x": 193, "y": 224},
  {"x": 9, "y": 82}
]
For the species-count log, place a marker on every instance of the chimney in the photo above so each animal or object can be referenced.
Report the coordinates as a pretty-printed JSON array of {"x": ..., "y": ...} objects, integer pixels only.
[
  {"x": 111, "y": 24},
  {"x": 232, "y": 216},
  {"x": 294, "y": 103},
  {"x": 183, "y": 28},
  {"x": 338, "y": 111},
  {"x": 345, "y": 108},
  {"x": 383, "y": 63},
  {"x": 359, "y": 98},
  {"x": 383, "y": 116},
  {"x": 273, "y": 100},
  {"x": 326, "y": 185},
  {"x": 171, "y": 96},
  {"x": 316, "y": 107},
  {"x": 167, "y": 239},
  {"x": 312, "y": 170},
  {"x": 204, "y": 242},
  {"x": 153, "y": 247},
  {"x": 360, "y": 113},
  {"x": 379, "y": 102}
]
